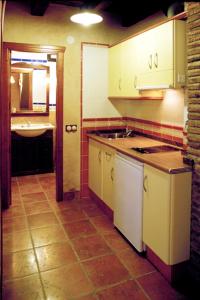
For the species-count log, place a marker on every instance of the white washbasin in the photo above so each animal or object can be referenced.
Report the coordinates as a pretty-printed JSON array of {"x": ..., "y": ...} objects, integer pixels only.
[{"x": 31, "y": 129}]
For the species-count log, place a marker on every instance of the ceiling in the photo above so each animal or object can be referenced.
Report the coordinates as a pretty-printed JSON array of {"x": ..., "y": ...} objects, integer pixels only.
[{"x": 126, "y": 12}]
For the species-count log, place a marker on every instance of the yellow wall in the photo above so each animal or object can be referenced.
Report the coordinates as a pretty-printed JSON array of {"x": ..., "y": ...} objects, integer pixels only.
[
  {"x": 53, "y": 29},
  {"x": 169, "y": 111}
]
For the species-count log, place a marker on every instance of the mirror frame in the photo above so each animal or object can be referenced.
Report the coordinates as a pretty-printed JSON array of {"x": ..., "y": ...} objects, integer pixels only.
[{"x": 34, "y": 67}]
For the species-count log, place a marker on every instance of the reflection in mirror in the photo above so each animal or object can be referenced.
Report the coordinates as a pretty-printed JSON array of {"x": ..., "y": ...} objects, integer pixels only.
[{"x": 29, "y": 88}]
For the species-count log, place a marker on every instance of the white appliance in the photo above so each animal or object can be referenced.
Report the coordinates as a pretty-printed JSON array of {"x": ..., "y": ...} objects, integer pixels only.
[{"x": 128, "y": 199}]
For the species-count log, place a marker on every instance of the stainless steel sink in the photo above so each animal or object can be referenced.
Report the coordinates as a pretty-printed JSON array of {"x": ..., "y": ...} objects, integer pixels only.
[{"x": 115, "y": 134}]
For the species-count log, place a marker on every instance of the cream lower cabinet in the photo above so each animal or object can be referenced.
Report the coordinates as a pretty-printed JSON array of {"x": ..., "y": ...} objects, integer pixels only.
[
  {"x": 166, "y": 214},
  {"x": 101, "y": 171},
  {"x": 95, "y": 167}
]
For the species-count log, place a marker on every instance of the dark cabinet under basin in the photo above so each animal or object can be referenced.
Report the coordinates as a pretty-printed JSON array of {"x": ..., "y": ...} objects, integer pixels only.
[{"x": 32, "y": 155}]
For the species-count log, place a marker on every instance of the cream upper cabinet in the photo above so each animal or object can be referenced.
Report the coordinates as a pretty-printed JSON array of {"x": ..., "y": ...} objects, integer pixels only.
[
  {"x": 114, "y": 76},
  {"x": 101, "y": 171},
  {"x": 129, "y": 68},
  {"x": 123, "y": 69},
  {"x": 162, "y": 57},
  {"x": 166, "y": 214},
  {"x": 153, "y": 59}
]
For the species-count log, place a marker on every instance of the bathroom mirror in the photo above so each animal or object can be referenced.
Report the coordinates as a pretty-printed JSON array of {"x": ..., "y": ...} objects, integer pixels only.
[{"x": 29, "y": 89}]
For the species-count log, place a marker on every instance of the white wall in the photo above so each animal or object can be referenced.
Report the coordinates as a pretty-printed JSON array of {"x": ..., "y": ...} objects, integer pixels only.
[{"x": 95, "y": 83}]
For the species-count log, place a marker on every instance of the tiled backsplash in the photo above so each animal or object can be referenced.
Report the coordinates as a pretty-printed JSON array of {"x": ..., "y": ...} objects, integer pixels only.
[{"x": 171, "y": 134}]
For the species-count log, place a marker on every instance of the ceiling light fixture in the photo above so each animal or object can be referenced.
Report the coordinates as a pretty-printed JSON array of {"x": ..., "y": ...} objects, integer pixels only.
[{"x": 86, "y": 18}]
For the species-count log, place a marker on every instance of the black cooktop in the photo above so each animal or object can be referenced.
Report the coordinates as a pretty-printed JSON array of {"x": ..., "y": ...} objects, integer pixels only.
[{"x": 155, "y": 149}]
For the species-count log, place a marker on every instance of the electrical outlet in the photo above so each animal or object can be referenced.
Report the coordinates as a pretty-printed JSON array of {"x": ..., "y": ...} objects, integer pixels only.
[{"x": 71, "y": 128}]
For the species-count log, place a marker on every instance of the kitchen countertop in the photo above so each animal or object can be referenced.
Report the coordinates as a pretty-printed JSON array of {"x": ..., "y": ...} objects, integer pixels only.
[{"x": 169, "y": 162}]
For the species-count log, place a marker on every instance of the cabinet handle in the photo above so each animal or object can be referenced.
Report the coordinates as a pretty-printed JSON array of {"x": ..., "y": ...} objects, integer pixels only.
[
  {"x": 108, "y": 156},
  {"x": 112, "y": 174},
  {"x": 99, "y": 156},
  {"x": 119, "y": 85},
  {"x": 144, "y": 187},
  {"x": 156, "y": 59},
  {"x": 150, "y": 61},
  {"x": 135, "y": 82}
]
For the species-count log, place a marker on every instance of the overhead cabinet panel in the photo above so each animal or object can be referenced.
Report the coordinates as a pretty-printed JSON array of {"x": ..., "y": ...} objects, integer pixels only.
[
  {"x": 162, "y": 60},
  {"x": 115, "y": 70},
  {"x": 151, "y": 60}
]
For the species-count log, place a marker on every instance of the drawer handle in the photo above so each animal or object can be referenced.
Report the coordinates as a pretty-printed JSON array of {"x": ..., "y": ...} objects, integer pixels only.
[
  {"x": 135, "y": 82},
  {"x": 144, "y": 181},
  {"x": 99, "y": 156}
]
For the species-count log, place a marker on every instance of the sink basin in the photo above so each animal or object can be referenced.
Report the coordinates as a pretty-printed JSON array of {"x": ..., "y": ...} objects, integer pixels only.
[
  {"x": 31, "y": 129},
  {"x": 115, "y": 133}
]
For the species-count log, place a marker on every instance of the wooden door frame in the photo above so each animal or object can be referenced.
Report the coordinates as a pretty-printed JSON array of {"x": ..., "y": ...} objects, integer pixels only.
[{"x": 6, "y": 116}]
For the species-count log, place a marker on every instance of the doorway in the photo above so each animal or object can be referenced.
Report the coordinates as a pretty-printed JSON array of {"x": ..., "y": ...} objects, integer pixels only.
[{"x": 58, "y": 52}]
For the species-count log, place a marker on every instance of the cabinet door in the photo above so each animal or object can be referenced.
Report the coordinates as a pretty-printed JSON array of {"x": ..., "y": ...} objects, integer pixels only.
[
  {"x": 162, "y": 56},
  {"x": 95, "y": 168},
  {"x": 145, "y": 48},
  {"x": 115, "y": 71},
  {"x": 129, "y": 68},
  {"x": 166, "y": 214},
  {"x": 156, "y": 212},
  {"x": 163, "y": 51},
  {"x": 108, "y": 176}
]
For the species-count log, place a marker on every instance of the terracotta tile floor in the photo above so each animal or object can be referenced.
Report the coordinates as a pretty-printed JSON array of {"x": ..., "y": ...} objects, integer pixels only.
[{"x": 70, "y": 250}]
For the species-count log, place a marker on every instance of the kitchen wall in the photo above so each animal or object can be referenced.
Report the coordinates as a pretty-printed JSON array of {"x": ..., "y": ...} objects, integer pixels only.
[{"x": 55, "y": 29}]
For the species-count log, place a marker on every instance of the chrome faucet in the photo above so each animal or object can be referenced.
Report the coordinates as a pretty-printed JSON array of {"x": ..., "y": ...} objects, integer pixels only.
[{"x": 128, "y": 132}]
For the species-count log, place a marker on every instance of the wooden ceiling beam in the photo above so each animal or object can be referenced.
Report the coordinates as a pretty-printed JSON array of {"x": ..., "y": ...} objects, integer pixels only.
[{"x": 39, "y": 7}]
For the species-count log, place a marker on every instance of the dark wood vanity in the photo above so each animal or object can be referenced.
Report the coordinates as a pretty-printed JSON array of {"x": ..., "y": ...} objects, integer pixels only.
[{"x": 32, "y": 155}]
